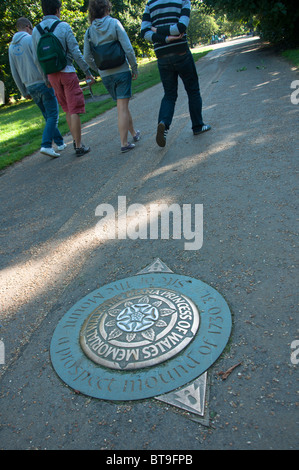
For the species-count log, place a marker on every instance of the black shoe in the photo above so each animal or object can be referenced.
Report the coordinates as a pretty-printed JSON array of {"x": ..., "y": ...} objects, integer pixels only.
[
  {"x": 82, "y": 150},
  {"x": 161, "y": 134},
  {"x": 204, "y": 128}
]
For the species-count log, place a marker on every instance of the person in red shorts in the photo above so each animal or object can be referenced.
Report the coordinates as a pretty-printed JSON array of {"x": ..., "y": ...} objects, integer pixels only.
[{"x": 65, "y": 82}]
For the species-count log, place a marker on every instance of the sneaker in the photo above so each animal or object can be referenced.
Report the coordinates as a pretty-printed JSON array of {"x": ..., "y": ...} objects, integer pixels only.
[
  {"x": 61, "y": 147},
  {"x": 161, "y": 134},
  {"x": 82, "y": 150},
  {"x": 127, "y": 148},
  {"x": 50, "y": 152},
  {"x": 137, "y": 136},
  {"x": 204, "y": 128}
]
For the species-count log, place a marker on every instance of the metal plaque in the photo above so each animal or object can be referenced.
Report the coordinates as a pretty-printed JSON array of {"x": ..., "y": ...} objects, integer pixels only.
[
  {"x": 191, "y": 398},
  {"x": 139, "y": 328},
  {"x": 141, "y": 337}
]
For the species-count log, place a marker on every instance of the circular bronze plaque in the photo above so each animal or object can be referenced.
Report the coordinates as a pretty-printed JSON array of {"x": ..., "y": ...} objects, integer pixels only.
[
  {"x": 139, "y": 329},
  {"x": 140, "y": 337}
]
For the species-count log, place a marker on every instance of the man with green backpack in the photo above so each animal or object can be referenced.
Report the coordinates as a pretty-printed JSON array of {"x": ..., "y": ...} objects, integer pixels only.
[{"x": 55, "y": 47}]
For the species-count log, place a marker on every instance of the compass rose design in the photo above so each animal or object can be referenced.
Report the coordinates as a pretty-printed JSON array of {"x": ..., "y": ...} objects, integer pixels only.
[
  {"x": 138, "y": 317},
  {"x": 139, "y": 329}
]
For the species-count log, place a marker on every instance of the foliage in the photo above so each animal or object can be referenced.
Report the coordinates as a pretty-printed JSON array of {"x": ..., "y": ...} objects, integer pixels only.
[
  {"x": 293, "y": 56},
  {"x": 129, "y": 13},
  {"x": 202, "y": 26},
  {"x": 231, "y": 27},
  {"x": 277, "y": 21}
]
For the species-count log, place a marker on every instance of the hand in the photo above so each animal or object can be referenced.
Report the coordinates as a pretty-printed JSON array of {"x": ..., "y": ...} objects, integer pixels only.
[
  {"x": 154, "y": 30},
  {"x": 174, "y": 38},
  {"x": 134, "y": 76},
  {"x": 90, "y": 79}
]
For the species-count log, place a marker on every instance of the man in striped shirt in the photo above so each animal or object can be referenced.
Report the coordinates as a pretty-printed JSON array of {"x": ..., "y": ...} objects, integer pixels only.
[{"x": 164, "y": 23}]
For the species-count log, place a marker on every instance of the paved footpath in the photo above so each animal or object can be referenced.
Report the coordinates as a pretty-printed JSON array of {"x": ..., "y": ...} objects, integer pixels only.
[{"x": 243, "y": 172}]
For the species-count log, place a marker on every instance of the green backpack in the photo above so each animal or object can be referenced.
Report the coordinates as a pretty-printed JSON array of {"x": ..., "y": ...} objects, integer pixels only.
[{"x": 50, "y": 53}]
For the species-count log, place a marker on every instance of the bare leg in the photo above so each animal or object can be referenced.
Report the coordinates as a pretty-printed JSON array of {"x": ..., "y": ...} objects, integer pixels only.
[
  {"x": 131, "y": 127},
  {"x": 125, "y": 123},
  {"x": 74, "y": 124}
]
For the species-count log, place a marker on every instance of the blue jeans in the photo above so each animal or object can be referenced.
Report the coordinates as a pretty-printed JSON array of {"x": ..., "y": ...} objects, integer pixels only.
[
  {"x": 46, "y": 100},
  {"x": 171, "y": 67}
]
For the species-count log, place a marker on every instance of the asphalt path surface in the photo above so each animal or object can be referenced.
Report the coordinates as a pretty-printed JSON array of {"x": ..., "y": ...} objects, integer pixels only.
[{"x": 243, "y": 172}]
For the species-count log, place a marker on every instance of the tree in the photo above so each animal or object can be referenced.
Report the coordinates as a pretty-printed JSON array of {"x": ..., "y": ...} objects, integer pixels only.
[
  {"x": 201, "y": 27},
  {"x": 129, "y": 13},
  {"x": 277, "y": 21}
]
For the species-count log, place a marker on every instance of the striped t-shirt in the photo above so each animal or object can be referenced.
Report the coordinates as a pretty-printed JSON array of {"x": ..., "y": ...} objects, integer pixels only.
[{"x": 171, "y": 18}]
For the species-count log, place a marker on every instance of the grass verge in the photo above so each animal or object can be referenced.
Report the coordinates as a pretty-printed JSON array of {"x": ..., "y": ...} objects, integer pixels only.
[
  {"x": 292, "y": 55},
  {"x": 21, "y": 124}
]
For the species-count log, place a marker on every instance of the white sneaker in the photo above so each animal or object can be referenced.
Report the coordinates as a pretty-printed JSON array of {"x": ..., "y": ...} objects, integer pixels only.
[
  {"x": 49, "y": 151},
  {"x": 61, "y": 147}
]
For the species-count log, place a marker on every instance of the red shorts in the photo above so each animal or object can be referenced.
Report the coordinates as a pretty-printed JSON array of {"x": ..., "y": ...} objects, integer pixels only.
[{"x": 68, "y": 92}]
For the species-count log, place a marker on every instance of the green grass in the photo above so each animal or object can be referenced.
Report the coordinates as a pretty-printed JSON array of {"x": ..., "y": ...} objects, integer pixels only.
[
  {"x": 21, "y": 123},
  {"x": 292, "y": 55}
]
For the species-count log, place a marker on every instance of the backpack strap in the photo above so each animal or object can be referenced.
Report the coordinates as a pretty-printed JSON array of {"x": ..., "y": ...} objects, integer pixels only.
[
  {"x": 115, "y": 24},
  {"x": 54, "y": 26},
  {"x": 40, "y": 29},
  {"x": 88, "y": 37}
]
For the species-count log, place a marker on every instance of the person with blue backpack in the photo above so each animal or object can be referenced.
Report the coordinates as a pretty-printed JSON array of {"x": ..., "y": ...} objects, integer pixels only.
[
  {"x": 109, "y": 52},
  {"x": 55, "y": 48},
  {"x": 31, "y": 84}
]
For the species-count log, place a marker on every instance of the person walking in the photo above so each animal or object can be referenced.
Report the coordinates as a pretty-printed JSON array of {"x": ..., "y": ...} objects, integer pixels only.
[
  {"x": 105, "y": 30},
  {"x": 165, "y": 24},
  {"x": 65, "y": 82},
  {"x": 31, "y": 84}
]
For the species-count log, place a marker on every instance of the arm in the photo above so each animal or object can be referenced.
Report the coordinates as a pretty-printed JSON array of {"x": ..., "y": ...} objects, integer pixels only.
[
  {"x": 127, "y": 47},
  {"x": 169, "y": 38},
  {"x": 181, "y": 26},
  {"x": 74, "y": 50},
  {"x": 16, "y": 77},
  {"x": 87, "y": 54},
  {"x": 149, "y": 33}
]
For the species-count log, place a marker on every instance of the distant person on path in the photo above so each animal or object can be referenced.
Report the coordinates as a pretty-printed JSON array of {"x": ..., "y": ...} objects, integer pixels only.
[
  {"x": 31, "y": 84},
  {"x": 66, "y": 82},
  {"x": 165, "y": 25},
  {"x": 117, "y": 80}
]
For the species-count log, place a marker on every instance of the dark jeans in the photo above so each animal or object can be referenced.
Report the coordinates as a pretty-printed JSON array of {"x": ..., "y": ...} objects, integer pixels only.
[
  {"x": 46, "y": 100},
  {"x": 171, "y": 67}
]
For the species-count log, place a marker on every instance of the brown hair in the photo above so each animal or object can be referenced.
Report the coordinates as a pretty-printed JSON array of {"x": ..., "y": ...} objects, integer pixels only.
[
  {"x": 98, "y": 9},
  {"x": 22, "y": 23}
]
